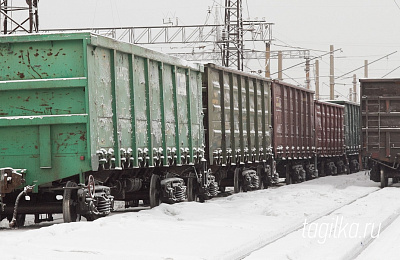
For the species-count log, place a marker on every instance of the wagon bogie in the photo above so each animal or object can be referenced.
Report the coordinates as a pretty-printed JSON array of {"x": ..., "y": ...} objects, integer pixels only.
[
  {"x": 354, "y": 164},
  {"x": 342, "y": 166},
  {"x": 296, "y": 171},
  {"x": 311, "y": 172}
]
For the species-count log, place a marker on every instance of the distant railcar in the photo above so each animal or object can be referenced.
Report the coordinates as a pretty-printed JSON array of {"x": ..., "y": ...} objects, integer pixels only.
[
  {"x": 293, "y": 131},
  {"x": 352, "y": 129},
  {"x": 237, "y": 118},
  {"x": 380, "y": 107},
  {"x": 329, "y": 130}
]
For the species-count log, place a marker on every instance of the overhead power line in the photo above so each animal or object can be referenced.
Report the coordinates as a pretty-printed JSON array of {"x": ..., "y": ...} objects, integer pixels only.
[
  {"x": 366, "y": 64},
  {"x": 396, "y": 4},
  {"x": 301, "y": 63},
  {"x": 390, "y": 72}
]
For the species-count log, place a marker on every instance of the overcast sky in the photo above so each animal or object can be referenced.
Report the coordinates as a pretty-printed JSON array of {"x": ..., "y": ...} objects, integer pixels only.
[{"x": 363, "y": 29}]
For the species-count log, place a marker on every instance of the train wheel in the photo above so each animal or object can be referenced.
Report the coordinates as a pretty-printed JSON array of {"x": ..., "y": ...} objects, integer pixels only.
[
  {"x": 155, "y": 191},
  {"x": 384, "y": 180},
  {"x": 69, "y": 203},
  {"x": 190, "y": 188},
  {"x": 236, "y": 181}
]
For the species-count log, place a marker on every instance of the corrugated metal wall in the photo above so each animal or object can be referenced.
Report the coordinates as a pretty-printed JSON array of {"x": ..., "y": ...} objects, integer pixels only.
[
  {"x": 329, "y": 130},
  {"x": 293, "y": 121},
  {"x": 238, "y": 116}
]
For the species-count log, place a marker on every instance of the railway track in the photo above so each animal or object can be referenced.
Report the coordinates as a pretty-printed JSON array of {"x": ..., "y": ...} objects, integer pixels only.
[
  {"x": 119, "y": 209},
  {"x": 382, "y": 248},
  {"x": 58, "y": 218},
  {"x": 329, "y": 219},
  {"x": 371, "y": 240},
  {"x": 247, "y": 234},
  {"x": 300, "y": 226}
]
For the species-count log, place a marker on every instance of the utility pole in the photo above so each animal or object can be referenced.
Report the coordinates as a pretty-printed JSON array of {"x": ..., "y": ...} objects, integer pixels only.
[
  {"x": 232, "y": 48},
  {"x": 317, "y": 79},
  {"x": 280, "y": 72},
  {"x": 332, "y": 75},
  {"x": 354, "y": 88},
  {"x": 350, "y": 94},
  {"x": 267, "y": 60},
  {"x": 308, "y": 73},
  {"x": 365, "y": 68},
  {"x": 217, "y": 37}
]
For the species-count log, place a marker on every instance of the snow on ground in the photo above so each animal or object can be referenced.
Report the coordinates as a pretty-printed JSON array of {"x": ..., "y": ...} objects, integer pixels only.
[
  {"x": 222, "y": 228},
  {"x": 342, "y": 234},
  {"x": 385, "y": 246}
]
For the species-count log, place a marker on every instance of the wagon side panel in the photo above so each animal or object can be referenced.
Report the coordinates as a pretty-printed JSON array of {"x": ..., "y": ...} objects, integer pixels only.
[
  {"x": 293, "y": 121},
  {"x": 237, "y": 115},
  {"x": 329, "y": 129},
  {"x": 43, "y": 106}
]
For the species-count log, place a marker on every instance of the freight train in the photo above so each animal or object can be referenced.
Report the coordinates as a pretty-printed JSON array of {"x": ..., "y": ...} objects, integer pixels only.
[
  {"x": 380, "y": 107},
  {"x": 86, "y": 120}
]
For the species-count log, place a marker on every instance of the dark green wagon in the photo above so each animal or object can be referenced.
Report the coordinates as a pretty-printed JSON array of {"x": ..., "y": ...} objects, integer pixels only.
[
  {"x": 352, "y": 129},
  {"x": 93, "y": 119}
]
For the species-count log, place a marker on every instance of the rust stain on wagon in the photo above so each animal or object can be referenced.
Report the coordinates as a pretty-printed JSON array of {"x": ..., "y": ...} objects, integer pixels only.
[
  {"x": 21, "y": 75},
  {"x": 83, "y": 137},
  {"x": 58, "y": 52}
]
